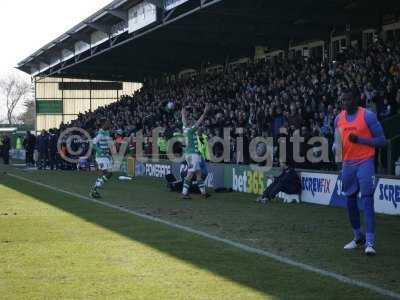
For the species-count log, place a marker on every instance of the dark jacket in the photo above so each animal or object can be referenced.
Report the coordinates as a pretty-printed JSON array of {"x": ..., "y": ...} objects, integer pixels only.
[
  {"x": 53, "y": 139},
  {"x": 42, "y": 143},
  {"x": 290, "y": 181},
  {"x": 6, "y": 144},
  {"x": 30, "y": 143}
]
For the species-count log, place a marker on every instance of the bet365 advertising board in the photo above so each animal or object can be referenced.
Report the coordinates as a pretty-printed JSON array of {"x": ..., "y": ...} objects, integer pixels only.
[{"x": 317, "y": 188}]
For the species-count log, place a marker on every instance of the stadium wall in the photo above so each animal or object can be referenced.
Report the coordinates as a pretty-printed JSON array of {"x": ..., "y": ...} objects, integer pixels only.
[
  {"x": 317, "y": 187},
  {"x": 56, "y": 104}
]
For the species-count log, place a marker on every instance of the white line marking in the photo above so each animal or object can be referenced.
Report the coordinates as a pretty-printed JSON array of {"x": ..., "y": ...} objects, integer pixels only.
[{"x": 282, "y": 259}]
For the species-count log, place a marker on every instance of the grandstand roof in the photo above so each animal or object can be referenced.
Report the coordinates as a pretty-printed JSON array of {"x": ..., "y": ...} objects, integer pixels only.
[{"x": 195, "y": 33}]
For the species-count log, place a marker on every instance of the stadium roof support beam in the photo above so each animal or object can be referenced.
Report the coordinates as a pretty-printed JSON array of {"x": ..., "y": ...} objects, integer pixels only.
[
  {"x": 168, "y": 15},
  {"x": 74, "y": 34},
  {"x": 43, "y": 63},
  {"x": 119, "y": 13},
  {"x": 70, "y": 48},
  {"x": 58, "y": 51},
  {"x": 158, "y": 3},
  {"x": 80, "y": 37},
  {"x": 100, "y": 27},
  {"x": 45, "y": 60},
  {"x": 34, "y": 67}
]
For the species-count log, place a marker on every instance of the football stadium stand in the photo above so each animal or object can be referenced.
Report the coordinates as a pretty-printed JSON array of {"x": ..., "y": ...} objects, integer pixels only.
[{"x": 260, "y": 69}]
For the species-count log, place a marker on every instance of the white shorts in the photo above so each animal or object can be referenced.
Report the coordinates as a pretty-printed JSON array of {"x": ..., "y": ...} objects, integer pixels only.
[
  {"x": 193, "y": 161},
  {"x": 104, "y": 164}
]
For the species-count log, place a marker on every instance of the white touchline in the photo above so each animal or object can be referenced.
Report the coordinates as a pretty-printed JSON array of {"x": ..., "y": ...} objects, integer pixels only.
[{"x": 282, "y": 259}]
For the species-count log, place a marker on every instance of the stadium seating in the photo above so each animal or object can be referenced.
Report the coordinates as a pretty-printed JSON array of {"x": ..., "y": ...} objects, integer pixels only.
[{"x": 263, "y": 97}]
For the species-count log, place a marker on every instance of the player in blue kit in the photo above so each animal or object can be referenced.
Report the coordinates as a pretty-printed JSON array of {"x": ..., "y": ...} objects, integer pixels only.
[{"x": 359, "y": 133}]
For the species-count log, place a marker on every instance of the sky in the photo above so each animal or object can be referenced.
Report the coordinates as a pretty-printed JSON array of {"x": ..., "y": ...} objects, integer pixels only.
[{"x": 28, "y": 25}]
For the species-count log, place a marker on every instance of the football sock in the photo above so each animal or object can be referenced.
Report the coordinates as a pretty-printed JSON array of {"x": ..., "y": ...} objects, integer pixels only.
[
  {"x": 370, "y": 239},
  {"x": 358, "y": 234},
  {"x": 186, "y": 186},
  {"x": 202, "y": 186},
  {"x": 369, "y": 213},
  {"x": 101, "y": 181}
]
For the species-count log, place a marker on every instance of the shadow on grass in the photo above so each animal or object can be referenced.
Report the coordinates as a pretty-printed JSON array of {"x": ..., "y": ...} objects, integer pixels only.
[{"x": 256, "y": 272}]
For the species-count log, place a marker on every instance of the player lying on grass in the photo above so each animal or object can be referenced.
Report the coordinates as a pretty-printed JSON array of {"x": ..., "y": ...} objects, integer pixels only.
[
  {"x": 288, "y": 182},
  {"x": 359, "y": 133},
  {"x": 192, "y": 153},
  {"x": 177, "y": 185},
  {"x": 102, "y": 144}
]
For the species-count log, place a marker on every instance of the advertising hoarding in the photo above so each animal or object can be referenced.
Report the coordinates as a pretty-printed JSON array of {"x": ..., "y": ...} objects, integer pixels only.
[
  {"x": 387, "y": 196},
  {"x": 317, "y": 187}
]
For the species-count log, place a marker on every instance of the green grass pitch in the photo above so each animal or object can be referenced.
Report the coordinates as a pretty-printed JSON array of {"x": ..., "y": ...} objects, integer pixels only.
[{"x": 56, "y": 246}]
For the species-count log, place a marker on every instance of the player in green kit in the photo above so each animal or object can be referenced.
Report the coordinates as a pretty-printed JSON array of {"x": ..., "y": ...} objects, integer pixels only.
[
  {"x": 102, "y": 144},
  {"x": 192, "y": 153}
]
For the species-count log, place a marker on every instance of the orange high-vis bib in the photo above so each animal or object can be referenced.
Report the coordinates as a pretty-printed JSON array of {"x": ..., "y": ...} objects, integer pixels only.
[{"x": 358, "y": 126}]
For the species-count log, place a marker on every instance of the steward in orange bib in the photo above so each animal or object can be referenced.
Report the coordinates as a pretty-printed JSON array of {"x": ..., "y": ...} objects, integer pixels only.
[{"x": 358, "y": 134}]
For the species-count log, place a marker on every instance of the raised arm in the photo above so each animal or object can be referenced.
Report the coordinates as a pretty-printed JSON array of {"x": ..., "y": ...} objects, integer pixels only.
[
  {"x": 203, "y": 116},
  {"x": 184, "y": 117}
]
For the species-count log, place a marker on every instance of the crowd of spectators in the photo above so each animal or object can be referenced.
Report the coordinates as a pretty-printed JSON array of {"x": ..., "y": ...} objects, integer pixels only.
[
  {"x": 44, "y": 152},
  {"x": 265, "y": 98}
]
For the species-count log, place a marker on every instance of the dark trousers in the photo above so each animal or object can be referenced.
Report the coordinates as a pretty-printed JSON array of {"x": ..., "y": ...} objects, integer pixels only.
[
  {"x": 6, "y": 157},
  {"x": 52, "y": 161},
  {"x": 163, "y": 155},
  {"x": 29, "y": 158},
  {"x": 280, "y": 186},
  {"x": 273, "y": 190},
  {"x": 42, "y": 161}
]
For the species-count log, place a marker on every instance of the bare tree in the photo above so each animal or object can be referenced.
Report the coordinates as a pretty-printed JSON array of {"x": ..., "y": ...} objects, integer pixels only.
[
  {"x": 14, "y": 89},
  {"x": 28, "y": 117}
]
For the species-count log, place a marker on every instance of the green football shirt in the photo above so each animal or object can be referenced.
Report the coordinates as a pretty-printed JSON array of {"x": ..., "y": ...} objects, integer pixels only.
[
  {"x": 190, "y": 134},
  {"x": 102, "y": 143}
]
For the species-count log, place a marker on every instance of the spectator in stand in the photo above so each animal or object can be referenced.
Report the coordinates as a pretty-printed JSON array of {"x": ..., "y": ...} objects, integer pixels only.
[
  {"x": 387, "y": 110},
  {"x": 263, "y": 96}
]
